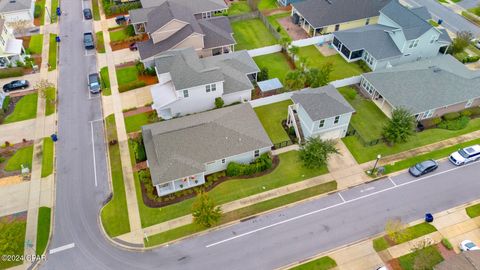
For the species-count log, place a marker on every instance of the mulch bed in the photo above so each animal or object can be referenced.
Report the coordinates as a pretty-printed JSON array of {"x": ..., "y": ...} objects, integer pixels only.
[
  {"x": 140, "y": 166},
  {"x": 162, "y": 203},
  {"x": 21, "y": 94},
  {"x": 125, "y": 44},
  {"x": 290, "y": 61},
  {"x": 137, "y": 111},
  {"x": 446, "y": 254},
  {"x": 8, "y": 152},
  {"x": 394, "y": 264},
  {"x": 149, "y": 80},
  {"x": 21, "y": 216}
]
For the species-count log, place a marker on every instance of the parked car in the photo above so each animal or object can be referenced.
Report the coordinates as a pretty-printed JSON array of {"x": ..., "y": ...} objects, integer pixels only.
[
  {"x": 465, "y": 155},
  {"x": 382, "y": 268},
  {"x": 477, "y": 44},
  {"x": 88, "y": 41},
  {"x": 94, "y": 83},
  {"x": 15, "y": 85},
  {"x": 423, "y": 167},
  {"x": 87, "y": 13},
  {"x": 133, "y": 46},
  {"x": 467, "y": 245},
  {"x": 120, "y": 20}
]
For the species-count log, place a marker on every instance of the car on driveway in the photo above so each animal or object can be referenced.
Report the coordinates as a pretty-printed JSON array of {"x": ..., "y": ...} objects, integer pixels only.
[
  {"x": 88, "y": 41},
  {"x": 87, "y": 13},
  {"x": 465, "y": 155},
  {"x": 423, "y": 167},
  {"x": 467, "y": 245},
  {"x": 15, "y": 85},
  {"x": 94, "y": 83}
]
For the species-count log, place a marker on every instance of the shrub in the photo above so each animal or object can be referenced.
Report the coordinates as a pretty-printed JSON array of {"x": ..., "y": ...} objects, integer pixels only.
[
  {"x": 140, "y": 68},
  {"x": 447, "y": 244},
  {"x": 6, "y": 104},
  {"x": 130, "y": 86},
  {"x": 150, "y": 71},
  {"x": 11, "y": 72},
  {"x": 263, "y": 74},
  {"x": 466, "y": 112},
  {"x": 139, "y": 150},
  {"x": 457, "y": 124},
  {"x": 38, "y": 11},
  {"x": 451, "y": 116},
  {"x": 122, "y": 8},
  {"x": 262, "y": 163},
  {"x": 473, "y": 111},
  {"x": 471, "y": 59},
  {"x": 19, "y": 63},
  {"x": 219, "y": 102},
  {"x": 129, "y": 31},
  {"x": 279, "y": 29}
]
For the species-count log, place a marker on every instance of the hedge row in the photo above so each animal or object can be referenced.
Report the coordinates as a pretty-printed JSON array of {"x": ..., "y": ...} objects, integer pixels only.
[
  {"x": 121, "y": 8},
  {"x": 11, "y": 72},
  {"x": 262, "y": 163}
]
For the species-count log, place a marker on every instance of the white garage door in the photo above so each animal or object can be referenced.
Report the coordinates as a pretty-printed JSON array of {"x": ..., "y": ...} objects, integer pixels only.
[{"x": 332, "y": 134}]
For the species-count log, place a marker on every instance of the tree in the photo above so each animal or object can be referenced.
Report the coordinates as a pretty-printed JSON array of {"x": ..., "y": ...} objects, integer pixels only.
[
  {"x": 20, "y": 27},
  {"x": 319, "y": 77},
  {"x": 284, "y": 42},
  {"x": 293, "y": 51},
  {"x": 219, "y": 102},
  {"x": 295, "y": 80},
  {"x": 463, "y": 39},
  {"x": 204, "y": 211},
  {"x": 395, "y": 230},
  {"x": 400, "y": 126},
  {"x": 303, "y": 61},
  {"x": 263, "y": 74},
  {"x": 425, "y": 257},
  {"x": 45, "y": 88},
  {"x": 315, "y": 152}
]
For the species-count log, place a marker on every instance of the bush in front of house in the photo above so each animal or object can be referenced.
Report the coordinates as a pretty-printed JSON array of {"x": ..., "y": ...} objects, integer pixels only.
[
  {"x": 38, "y": 11},
  {"x": 262, "y": 163},
  {"x": 470, "y": 59},
  {"x": 139, "y": 150},
  {"x": 219, "y": 102},
  {"x": 456, "y": 124},
  {"x": 473, "y": 111},
  {"x": 451, "y": 116},
  {"x": 122, "y": 8}
]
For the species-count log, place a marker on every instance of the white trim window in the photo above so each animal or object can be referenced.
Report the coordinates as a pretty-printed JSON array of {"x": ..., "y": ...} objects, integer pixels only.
[
  {"x": 337, "y": 119},
  {"x": 256, "y": 153},
  {"x": 210, "y": 87},
  {"x": 367, "y": 22},
  {"x": 322, "y": 123},
  {"x": 433, "y": 39},
  {"x": 185, "y": 93},
  {"x": 469, "y": 103},
  {"x": 224, "y": 161},
  {"x": 413, "y": 43}
]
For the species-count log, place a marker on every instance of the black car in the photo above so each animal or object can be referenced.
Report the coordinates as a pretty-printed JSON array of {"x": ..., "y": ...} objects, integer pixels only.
[
  {"x": 120, "y": 19},
  {"x": 16, "y": 85},
  {"x": 94, "y": 83},
  {"x": 423, "y": 167},
  {"x": 87, "y": 13},
  {"x": 88, "y": 41}
]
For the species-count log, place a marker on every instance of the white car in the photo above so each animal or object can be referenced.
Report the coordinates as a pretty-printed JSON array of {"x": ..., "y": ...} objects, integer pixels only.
[
  {"x": 468, "y": 245},
  {"x": 465, "y": 155}
]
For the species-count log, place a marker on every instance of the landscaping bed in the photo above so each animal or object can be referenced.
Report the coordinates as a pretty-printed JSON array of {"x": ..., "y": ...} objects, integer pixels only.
[
  {"x": 112, "y": 9},
  {"x": 134, "y": 75},
  {"x": 271, "y": 117},
  {"x": 251, "y": 34},
  {"x": 39, "y": 13},
  {"x": 12, "y": 231},
  {"x": 9, "y": 159},
  {"x": 125, "y": 43}
]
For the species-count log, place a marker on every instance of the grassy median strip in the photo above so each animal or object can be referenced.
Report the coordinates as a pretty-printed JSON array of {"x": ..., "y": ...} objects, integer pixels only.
[
  {"x": 323, "y": 263},
  {"x": 473, "y": 211},
  {"x": 105, "y": 79},
  {"x": 43, "y": 229},
  {"x": 53, "y": 10},
  {"x": 47, "y": 159},
  {"x": 100, "y": 42},
  {"x": 243, "y": 212},
  {"x": 50, "y": 100},
  {"x": 52, "y": 53},
  {"x": 410, "y": 233},
  {"x": 95, "y": 10},
  {"x": 115, "y": 213}
]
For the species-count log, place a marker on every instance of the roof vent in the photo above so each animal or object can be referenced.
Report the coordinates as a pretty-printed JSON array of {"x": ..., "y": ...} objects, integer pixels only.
[
  {"x": 329, "y": 1},
  {"x": 13, "y": 1},
  {"x": 436, "y": 69}
]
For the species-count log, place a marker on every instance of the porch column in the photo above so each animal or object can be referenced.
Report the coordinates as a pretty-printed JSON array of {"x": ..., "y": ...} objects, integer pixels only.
[
  {"x": 350, "y": 55},
  {"x": 383, "y": 101}
]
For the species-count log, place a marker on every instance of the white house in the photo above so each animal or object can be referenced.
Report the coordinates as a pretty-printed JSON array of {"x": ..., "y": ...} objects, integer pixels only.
[
  {"x": 11, "y": 49},
  {"x": 189, "y": 84},
  {"x": 319, "y": 112},
  {"x": 17, "y": 10},
  {"x": 182, "y": 151}
]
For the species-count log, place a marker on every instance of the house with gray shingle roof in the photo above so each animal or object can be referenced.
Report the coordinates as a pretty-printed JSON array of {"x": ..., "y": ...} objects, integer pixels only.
[
  {"x": 401, "y": 35},
  {"x": 16, "y": 10},
  {"x": 319, "y": 112},
  {"x": 173, "y": 24},
  {"x": 428, "y": 88},
  {"x": 182, "y": 151},
  {"x": 190, "y": 84}
]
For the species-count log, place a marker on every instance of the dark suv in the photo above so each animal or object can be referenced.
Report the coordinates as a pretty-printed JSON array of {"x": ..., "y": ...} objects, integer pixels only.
[
  {"x": 15, "y": 85},
  {"x": 94, "y": 83},
  {"x": 88, "y": 41}
]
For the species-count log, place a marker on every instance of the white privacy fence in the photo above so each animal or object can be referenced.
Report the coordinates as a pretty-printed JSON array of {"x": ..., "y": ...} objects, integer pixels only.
[
  {"x": 346, "y": 81},
  {"x": 313, "y": 40},
  {"x": 265, "y": 50}
]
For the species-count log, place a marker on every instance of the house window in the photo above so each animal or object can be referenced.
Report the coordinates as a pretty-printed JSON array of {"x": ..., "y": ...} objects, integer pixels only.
[
  {"x": 214, "y": 87},
  {"x": 210, "y": 87},
  {"x": 413, "y": 43},
  {"x": 367, "y": 22},
  {"x": 207, "y": 88},
  {"x": 185, "y": 93},
  {"x": 433, "y": 39},
  {"x": 322, "y": 123},
  {"x": 224, "y": 161},
  {"x": 256, "y": 153},
  {"x": 337, "y": 118},
  {"x": 337, "y": 27},
  {"x": 469, "y": 103}
]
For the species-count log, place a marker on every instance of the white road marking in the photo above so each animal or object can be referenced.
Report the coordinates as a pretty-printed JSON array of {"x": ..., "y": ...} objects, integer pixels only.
[
  {"x": 391, "y": 180},
  {"x": 97, "y": 120},
  {"x": 341, "y": 197},
  {"x": 93, "y": 151},
  {"x": 367, "y": 189},
  {"x": 62, "y": 248},
  {"x": 333, "y": 206}
]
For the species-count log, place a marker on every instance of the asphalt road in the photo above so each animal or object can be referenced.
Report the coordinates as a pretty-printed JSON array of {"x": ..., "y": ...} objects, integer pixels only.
[{"x": 451, "y": 20}]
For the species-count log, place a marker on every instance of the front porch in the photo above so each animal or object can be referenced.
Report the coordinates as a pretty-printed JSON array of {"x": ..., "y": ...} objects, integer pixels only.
[
  {"x": 13, "y": 53},
  {"x": 180, "y": 184},
  {"x": 294, "y": 121}
]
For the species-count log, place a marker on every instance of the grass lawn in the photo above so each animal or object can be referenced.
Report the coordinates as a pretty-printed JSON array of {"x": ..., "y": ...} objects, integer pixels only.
[
  {"x": 475, "y": 10},
  {"x": 135, "y": 122},
  {"x": 267, "y": 4},
  {"x": 114, "y": 214},
  {"x": 366, "y": 153},
  {"x": 52, "y": 53},
  {"x": 35, "y": 45},
  {"x": 273, "y": 21},
  {"x": 40, "y": 4},
  {"x": 53, "y": 13},
  {"x": 47, "y": 159},
  {"x": 473, "y": 211},
  {"x": 271, "y": 117},
  {"x": 50, "y": 96},
  {"x": 243, "y": 213},
  {"x": 437, "y": 154},
  {"x": 323, "y": 263},
  {"x": 341, "y": 68},
  {"x": 26, "y": 108},
  {"x": 276, "y": 63},
  {"x": 251, "y": 34},
  {"x": 43, "y": 229},
  {"x": 126, "y": 75},
  {"x": 22, "y": 156},
  {"x": 238, "y": 8},
  {"x": 407, "y": 262},
  {"x": 13, "y": 233},
  {"x": 100, "y": 42},
  {"x": 120, "y": 34},
  {"x": 410, "y": 233},
  {"x": 290, "y": 170},
  {"x": 95, "y": 10},
  {"x": 105, "y": 80},
  {"x": 433, "y": 23},
  {"x": 368, "y": 120}
]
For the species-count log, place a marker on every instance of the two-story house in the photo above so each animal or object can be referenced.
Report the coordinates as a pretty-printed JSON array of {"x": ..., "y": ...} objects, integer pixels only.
[
  {"x": 190, "y": 84},
  {"x": 11, "y": 49},
  {"x": 319, "y": 112},
  {"x": 176, "y": 24},
  {"x": 182, "y": 151},
  {"x": 17, "y": 10},
  {"x": 401, "y": 35}
]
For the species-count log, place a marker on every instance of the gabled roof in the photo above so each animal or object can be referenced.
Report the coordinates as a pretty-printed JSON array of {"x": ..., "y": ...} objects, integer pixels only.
[
  {"x": 10, "y": 6},
  {"x": 320, "y": 13},
  {"x": 217, "y": 32},
  {"x": 322, "y": 103},
  {"x": 168, "y": 11},
  {"x": 197, "y": 6},
  {"x": 412, "y": 25},
  {"x": 428, "y": 84},
  {"x": 180, "y": 147},
  {"x": 467, "y": 260},
  {"x": 422, "y": 12},
  {"x": 148, "y": 49}
]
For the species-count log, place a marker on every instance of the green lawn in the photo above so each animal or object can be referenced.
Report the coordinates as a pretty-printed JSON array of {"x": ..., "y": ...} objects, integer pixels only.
[
  {"x": 437, "y": 154},
  {"x": 244, "y": 212},
  {"x": 13, "y": 233},
  {"x": 323, "y": 263},
  {"x": 276, "y": 63},
  {"x": 433, "y": 23},
  {"x": 475, "y": 10},
  {"x": 95, "y": 10},
  {"x": 105, "y": 79},
  {"x": 368, "y": 120},
  {"x": 43, "y": 229},
  {"x": 52, "y": 53},
  {"x": 50, "y": 96},
  {"x": 273, "y": 21},
  {"x": 366, "y": 153},
  {"x": 126, "y": 75},
  {"x": 22, "y": 156},
  {"x": 114, "y": 214},
  {"x": 290, "y": 170},
  {"x": 271, "y": 117},
  {"x": 407, "y": 262},
  {"x": 473, "y": 211},
  {"x": 267, "y": 4},
  {"x": 47, "y": 159},
  {"x": 251, "y": 34},
  {"x": 26, "y": 108},
  {"x": 410, "y": 233},
  {"x": 100, "y": 42},
  {"x": 238, "y": 8},
  {"x": 120, "y": 34},
  {"x": 35, "y": 45},
  {"x": 40, "y": 4},
  {"x": 53, "y": 12},
  {"x": 135, "y": 122},
  {"x": 341, "y": 68}
]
